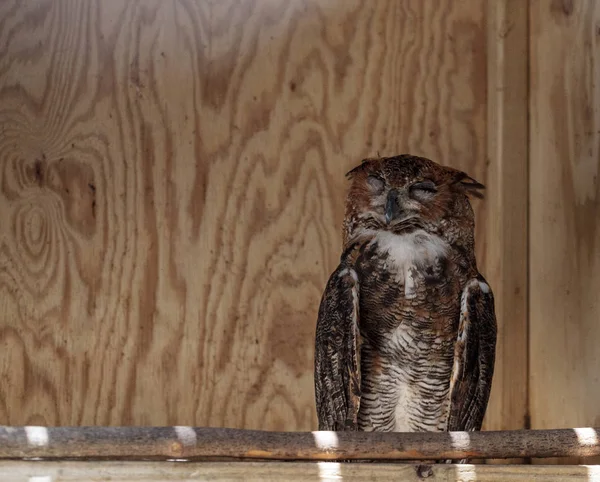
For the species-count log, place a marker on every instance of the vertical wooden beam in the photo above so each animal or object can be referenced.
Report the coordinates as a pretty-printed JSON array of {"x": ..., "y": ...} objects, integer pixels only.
[
  {"x": 507, "y": 193},
  {"x": 564, "y": 261}
]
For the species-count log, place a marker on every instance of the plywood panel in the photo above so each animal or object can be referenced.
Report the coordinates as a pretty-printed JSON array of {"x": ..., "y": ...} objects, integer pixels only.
[
  {"x": 171, "y": 191},
  {"x": 565, "y": 214}
]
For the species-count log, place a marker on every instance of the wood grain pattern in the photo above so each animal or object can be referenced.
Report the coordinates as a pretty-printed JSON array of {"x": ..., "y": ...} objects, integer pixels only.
[
  {"x": 171, "y": 191},
  {"x": 292, "y": 471},
  {"x": 565, "y": 213},
  {"x": 506, "y": 222},
  {"x": 202, "y": 443}
]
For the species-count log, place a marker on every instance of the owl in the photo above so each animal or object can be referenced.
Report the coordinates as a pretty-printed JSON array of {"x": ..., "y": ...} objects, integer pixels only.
[{"x": 406, "y": 330}]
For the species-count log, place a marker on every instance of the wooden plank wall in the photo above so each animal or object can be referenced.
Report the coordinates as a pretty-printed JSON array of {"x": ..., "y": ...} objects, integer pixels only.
[{"x": 564, "y": 213}]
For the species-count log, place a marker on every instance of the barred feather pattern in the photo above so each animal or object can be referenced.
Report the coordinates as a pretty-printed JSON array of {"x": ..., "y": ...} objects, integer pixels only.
[
  {"x": 405, "y": 393},
  {"x": 409, "y": 322}
]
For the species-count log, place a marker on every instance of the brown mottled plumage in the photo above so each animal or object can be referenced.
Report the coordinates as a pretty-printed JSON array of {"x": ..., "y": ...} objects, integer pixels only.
[{"x": 406, "y": 331}]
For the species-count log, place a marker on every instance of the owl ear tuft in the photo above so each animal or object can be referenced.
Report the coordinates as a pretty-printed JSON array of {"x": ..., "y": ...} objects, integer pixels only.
[
  {"x": 468, "y": 185},
  {"x": 358, "y": 168}
]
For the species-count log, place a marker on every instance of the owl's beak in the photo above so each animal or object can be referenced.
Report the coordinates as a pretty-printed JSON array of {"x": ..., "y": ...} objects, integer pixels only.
[{"x": 392, "y": 207}]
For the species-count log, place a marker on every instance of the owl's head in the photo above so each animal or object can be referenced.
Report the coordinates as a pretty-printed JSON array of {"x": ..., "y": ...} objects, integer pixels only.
[{"x": 403, "y": 193}]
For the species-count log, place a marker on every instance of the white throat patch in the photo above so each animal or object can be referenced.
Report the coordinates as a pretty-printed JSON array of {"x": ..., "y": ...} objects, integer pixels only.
[{"x": 407, "y": 251}]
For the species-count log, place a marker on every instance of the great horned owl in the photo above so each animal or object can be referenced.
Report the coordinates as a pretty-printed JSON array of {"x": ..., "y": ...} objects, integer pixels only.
[{"x": 406, "y": 331}]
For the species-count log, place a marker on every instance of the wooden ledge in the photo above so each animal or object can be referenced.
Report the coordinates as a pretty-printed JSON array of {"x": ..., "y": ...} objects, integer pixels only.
[
  {"x": 286, "y": 471},
  {"x": 193, "y": 443}
]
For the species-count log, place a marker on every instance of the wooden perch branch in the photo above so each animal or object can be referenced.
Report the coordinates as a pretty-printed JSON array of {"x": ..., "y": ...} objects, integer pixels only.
[{"x": 145, "y": 443}]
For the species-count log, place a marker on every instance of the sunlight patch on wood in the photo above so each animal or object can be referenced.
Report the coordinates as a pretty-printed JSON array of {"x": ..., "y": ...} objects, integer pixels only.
[
  {"x": 330, "y": 470},
  {"x": 460, "y": 440},
  {"x": 593, "y": 472},
  {"x": 586, "y": 436},
  {"x": 465, "y": 473},
  {"x": 186, "y": 435},
  {"x": 37, "y": 436},
  {"x": 326, "y": 440}
]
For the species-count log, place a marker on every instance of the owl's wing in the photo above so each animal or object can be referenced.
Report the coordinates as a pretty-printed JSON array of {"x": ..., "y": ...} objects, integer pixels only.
[
  {"x": 337, "y": 353},
  {"x": 474, "y": 356}
]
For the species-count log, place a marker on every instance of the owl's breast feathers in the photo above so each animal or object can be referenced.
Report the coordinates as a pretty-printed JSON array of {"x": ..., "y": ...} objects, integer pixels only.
[
  {"x": 408, "y": 279},
  {"x": 388, "y": 352}
]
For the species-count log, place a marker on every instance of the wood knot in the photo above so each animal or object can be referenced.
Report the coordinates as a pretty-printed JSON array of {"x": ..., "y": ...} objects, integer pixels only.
[
  {"x": 177, "y": 448},
  {"x": 424, "y": 471},
  {"x": 38, "y": 171}
]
